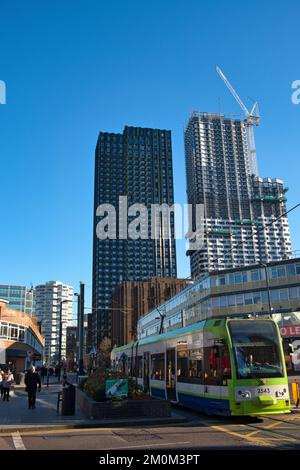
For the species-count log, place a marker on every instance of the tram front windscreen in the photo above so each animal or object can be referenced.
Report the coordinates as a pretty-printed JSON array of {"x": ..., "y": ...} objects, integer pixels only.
[{"x": 256, "y": 349}]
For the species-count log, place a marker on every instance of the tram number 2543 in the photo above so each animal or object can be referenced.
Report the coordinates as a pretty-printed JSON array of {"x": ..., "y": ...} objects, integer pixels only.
[{"x": 263, "y": 391}]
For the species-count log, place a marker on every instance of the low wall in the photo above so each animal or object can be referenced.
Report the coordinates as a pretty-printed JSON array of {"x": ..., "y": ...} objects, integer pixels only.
[{"x": 151, "y": 408}]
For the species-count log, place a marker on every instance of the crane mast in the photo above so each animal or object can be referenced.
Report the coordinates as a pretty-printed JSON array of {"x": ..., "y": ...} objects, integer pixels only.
[{"x": 251, "y": 118}]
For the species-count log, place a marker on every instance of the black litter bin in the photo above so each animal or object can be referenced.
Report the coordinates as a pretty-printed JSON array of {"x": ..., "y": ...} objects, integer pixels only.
[
  {"x": 20, "y": 378},
  {"x": 68, "y": 400}
]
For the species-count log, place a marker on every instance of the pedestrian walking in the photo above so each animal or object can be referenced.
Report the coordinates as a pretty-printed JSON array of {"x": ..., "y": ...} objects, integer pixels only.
[
  {"x": 65, "y": 377},
  {"x": 43, "y": 372},
  {"x": 33, "y": 383},
  {"x": 7, "y": 381}
]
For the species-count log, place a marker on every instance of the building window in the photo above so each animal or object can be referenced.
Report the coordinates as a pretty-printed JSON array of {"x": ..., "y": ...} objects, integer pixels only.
[
  {"x": 255, "y": 275},
  {"x": 3, "y": 330}
]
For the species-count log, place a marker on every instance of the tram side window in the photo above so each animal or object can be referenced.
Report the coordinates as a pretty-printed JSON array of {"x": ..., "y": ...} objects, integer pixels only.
[
  {"x": 132, "y": 366},
  {"x": 158, "y": 367},
  {"x": 132, "y": 370},
  {"x": 140, "y": 367},
  {"x": 182, "y": 366},
  {"x": 225, "y": 364},
  {"x": 128, "y": 369},
  {"x": 217, "y": 365},
  {"x": 189, "y": 366},
  {"x": 124, "y": 366},
  {"x": 195, "y": 365},
  {"x": 128, "y": 365}
]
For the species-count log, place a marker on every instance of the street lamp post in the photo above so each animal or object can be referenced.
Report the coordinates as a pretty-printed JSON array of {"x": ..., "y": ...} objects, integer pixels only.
[
  {"x": 80, "y": 329},
  {"x": 77, "y": 331},
  {"x": 80, "y": 321}
]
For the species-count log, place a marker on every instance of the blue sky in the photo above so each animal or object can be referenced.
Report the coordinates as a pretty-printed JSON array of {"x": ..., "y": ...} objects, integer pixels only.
[{"x": 73, "y": 68}]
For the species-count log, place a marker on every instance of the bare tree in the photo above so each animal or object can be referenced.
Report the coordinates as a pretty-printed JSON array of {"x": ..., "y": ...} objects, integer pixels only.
[{"x": 103, "y": 354}]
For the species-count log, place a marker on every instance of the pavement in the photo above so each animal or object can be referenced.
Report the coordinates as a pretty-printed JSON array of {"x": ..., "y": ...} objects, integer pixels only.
[{"x": 15, "y": 415}]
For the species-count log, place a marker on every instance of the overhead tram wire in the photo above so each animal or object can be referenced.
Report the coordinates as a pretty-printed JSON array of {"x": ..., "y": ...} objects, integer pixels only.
[
  {"x": 250, "y": 236},
  {"x": 163, "y": 315},
  {"x": 263, "y": 228}
]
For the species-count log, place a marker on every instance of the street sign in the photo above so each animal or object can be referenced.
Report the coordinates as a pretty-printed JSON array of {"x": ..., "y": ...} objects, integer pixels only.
[{"x": 116, "y": 388}]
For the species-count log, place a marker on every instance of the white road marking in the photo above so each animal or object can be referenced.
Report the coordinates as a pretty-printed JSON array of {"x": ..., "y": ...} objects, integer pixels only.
[{"x": 18, "y": 441}]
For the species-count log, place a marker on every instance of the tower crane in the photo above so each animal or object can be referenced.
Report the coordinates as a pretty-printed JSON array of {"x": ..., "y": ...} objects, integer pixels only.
[{"x": 252, "y": 118}]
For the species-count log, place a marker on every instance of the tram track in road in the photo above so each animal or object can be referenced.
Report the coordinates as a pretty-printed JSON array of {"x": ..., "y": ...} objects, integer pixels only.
[
  {"x": 291, "y": 418},
  {"x": 266, "y": 433}
]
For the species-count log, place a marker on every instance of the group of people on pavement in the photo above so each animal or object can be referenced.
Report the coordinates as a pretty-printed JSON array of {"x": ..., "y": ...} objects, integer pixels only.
[
  {"x": 6, "y": 381},
  {"x": 50, "y": 371},
  {"x": 32, "y": 384}
]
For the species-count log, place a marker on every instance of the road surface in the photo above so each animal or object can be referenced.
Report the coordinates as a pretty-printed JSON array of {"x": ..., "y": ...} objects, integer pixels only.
[{"x": 200, "y": 432}]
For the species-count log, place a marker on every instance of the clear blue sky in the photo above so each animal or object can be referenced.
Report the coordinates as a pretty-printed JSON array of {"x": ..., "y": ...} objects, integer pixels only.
[{"x": 73, "y": 68}]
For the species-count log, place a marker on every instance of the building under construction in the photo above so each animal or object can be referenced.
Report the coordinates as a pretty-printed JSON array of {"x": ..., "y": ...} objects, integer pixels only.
[{"x": 243, "y": 222}]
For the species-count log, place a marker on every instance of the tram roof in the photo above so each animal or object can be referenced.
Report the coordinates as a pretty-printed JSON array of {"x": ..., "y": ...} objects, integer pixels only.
[
  {"x": 169, "y": 335},
  {"x": 216, "y": 321}
]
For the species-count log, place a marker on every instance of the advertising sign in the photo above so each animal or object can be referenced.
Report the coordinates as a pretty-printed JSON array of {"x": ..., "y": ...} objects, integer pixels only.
[
  {"x": 290, "y": 331},
  {"x": 116, "y": 388}
]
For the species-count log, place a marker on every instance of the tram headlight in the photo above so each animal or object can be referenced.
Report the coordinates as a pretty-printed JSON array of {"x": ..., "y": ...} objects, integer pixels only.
[{"x": 246, "y": 395}]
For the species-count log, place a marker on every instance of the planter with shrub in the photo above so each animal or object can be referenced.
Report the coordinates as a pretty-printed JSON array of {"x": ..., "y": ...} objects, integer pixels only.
[{"x": 93, "y": 402}]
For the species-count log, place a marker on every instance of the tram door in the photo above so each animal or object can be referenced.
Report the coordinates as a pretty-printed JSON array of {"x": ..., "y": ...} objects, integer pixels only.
[
  {"x": 170, "y": 379},
  {"x": 146, "y": 371}
]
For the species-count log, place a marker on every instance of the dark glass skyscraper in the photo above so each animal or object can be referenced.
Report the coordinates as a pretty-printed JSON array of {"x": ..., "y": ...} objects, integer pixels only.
[{"x": 136, "y": 164}]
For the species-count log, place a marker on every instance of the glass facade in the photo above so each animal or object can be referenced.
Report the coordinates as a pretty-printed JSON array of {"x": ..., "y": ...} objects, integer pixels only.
[
  {"x": 136, "y": 164},
  {"x": 230, "y": 292},
  {"x": 19, "y": 297}
]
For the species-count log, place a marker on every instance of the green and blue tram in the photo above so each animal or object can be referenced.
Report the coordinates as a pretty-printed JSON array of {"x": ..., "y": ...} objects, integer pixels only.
[{"x": 218, "y": 366}]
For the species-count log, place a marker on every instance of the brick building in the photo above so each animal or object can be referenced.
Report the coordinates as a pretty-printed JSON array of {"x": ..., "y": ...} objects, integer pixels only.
[
  {"x": 133, "y": 299},
  {"x": 21, "y": 342}
]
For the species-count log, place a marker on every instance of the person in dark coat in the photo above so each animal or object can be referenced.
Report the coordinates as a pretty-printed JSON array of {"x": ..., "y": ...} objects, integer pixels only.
[
  {"x": 43, "y": 372},
  {"x": 33, "y": 383}
]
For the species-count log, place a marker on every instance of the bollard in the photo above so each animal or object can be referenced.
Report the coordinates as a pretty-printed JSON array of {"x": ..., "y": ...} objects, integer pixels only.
[{"x": 295, "y": 392}]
